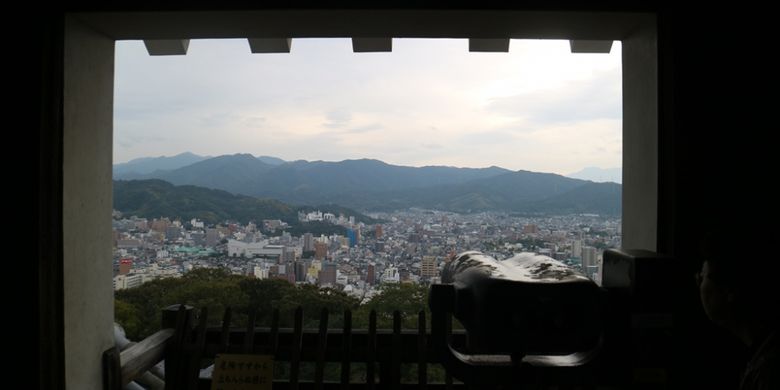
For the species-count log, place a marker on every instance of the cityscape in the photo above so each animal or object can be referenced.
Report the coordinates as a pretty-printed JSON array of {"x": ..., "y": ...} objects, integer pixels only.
[
  {"x": 409, "y": 246},
  {"x": 501, "y": 162}
]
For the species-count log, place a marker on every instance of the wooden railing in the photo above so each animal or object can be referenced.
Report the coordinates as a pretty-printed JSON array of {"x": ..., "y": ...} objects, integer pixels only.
[
  {"x": 121, "y": 368},
  {"x": 187, "y": 345},
  {"x": 388, "y": 349}
]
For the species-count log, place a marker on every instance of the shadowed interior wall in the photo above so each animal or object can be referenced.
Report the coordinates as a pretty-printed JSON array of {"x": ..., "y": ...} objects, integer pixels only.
[
  {"x": 87, "y": 203},
  {"x": 640, "y": 140}
]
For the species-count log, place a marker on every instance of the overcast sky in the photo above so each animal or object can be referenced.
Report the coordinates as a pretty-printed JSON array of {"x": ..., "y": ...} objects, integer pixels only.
[{"x": 428, "y": 102}]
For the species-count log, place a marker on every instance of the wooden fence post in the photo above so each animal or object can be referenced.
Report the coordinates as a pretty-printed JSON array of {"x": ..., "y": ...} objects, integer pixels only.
[{"x": 177, "y": 317}]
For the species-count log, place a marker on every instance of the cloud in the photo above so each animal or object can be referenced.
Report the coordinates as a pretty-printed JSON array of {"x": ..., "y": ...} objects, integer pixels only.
[
  {"x": 488, "y": 138},
  {"x": 254, "y": 121},
  {"x": 596, "y": 98},
  {"x": 220, "y": 119},
  {"x": 134, "y": 140},
  {"x": 337, "y": 118},
  {"x": 366, "y": 128},
  {"x": 428, "y": 102}
]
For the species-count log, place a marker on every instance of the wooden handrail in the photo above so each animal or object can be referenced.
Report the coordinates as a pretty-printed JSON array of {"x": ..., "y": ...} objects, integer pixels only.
[
  {"x": 385, "y": 349},
  {"x": 142, "y": 356},
  {"x": 360, "y": 339},
  {"x": 121, "y": 368}
]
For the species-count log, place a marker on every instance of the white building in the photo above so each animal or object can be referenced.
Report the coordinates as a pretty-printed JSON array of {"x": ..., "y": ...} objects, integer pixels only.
[
  {"x": 167, "y": 272},
  {"x": 312, "y": 216},
  {"x": 260, "y": 272},
  {"x": 122, "y": 282},
  {"x": 576, "y": 248},
  {"x": 589, "y": 254},
  {"x": 254, "y": 249},
  {"x": 391, "y": 275}
]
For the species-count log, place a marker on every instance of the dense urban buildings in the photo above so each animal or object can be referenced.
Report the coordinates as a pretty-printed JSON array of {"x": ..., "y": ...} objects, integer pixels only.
[{"x": 410, "y": 246}]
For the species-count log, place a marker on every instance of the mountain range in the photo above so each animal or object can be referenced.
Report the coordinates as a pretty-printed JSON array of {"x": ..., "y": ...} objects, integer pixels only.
[
  {"x": 157, "y": 198},
  {"x": 599, "y": 175},
  {"x": 368, "y": 184},
  {"x": 146, "y": 165}
]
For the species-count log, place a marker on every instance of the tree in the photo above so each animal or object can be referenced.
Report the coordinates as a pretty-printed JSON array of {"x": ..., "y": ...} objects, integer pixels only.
[
  {"x": 408, "y": 299},
  {"x": 263, "y": 296},
  {"x": 128, "y": 316},
  {"x": 212, "y": 288}
]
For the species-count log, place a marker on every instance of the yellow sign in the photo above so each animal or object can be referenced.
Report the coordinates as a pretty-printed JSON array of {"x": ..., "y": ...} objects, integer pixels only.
[{"x": 242, "y": 372}]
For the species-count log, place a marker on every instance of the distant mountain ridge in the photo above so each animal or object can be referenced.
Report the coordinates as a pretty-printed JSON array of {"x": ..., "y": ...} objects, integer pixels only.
[
  {"x": 146, "y": 165},
  {"x": 271, "y": 160},
  {"x": 158, "y": 198},
  {"x": 368, "y": 184},
  {"x": 599, "y": 175}
]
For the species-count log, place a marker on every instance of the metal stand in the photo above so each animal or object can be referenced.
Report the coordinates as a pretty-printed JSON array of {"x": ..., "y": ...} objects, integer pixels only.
[{"x": 498, "y": 371}]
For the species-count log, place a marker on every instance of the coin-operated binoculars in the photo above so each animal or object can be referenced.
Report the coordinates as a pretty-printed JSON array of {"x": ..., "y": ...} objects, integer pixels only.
[{"x": 528, "y": 319}]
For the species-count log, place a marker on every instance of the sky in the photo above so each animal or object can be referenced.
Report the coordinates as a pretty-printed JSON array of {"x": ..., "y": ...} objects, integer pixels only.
[{"x": 428, "y": 102}]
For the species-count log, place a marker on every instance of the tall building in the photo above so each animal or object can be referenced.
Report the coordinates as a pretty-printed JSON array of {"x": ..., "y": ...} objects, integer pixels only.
[
  {"x": 378, "y": 232},
  {"x": 160, "y": 225},
  {"x": 576, "y": 248},
  {"x": 288, "y": 254},
  {"x": 198, "y": 238},
  {"x": 352, "y": 235},
  {"x": 530, "y": 229},
  {"x": 314, "y": 268},
  {"x": 429, "y": 269},
  {"x": 370, "y": 274},
  {"x": 124, "y": 266},
  {"x": 588, "y": 257},
  {"x": 172, "y": 232},
  {"x": 300, "y": 271},
  {"x": 308, "y": 242},
  {"x": 320, "y": 250},
  {"x": 328, "y": 274},
  {"x": 212, "y": 237}
]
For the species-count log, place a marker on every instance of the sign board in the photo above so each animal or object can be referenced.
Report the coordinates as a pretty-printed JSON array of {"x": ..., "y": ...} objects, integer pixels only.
[{"x": 242, "y": 372}]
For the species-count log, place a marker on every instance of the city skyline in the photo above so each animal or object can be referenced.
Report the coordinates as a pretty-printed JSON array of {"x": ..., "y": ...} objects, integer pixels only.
[{"x": 429, "y": 102}]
